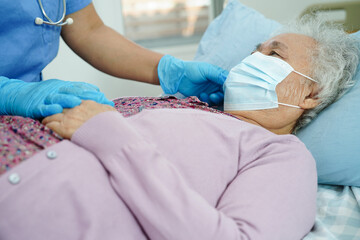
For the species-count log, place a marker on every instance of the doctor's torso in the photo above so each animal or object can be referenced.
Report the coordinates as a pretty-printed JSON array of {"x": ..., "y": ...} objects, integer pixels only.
[{"x": 26, "y": 48}]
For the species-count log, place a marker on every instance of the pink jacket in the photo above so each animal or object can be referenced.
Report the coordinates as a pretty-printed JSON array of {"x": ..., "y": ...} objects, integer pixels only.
[{"x": 162, "y": 174}]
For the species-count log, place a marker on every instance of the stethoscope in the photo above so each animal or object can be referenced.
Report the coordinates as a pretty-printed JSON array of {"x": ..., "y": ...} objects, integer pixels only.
[{"x": 61, "y": 22}]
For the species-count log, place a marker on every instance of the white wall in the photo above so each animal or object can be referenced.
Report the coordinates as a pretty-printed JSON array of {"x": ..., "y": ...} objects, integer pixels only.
[{"x": 68, "y": 66}]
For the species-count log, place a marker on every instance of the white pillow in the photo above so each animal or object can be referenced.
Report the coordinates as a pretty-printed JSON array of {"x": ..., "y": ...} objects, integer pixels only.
[{"x": 233, "y": 35}]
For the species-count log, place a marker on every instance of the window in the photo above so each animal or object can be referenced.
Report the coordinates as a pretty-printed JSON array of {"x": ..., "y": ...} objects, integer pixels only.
[{"x": 165, "y": 21}]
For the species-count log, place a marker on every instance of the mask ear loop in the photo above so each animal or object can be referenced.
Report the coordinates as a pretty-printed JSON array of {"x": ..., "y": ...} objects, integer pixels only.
[
  {"x": 289, "y": 105},
  {"x": 306, "y": 76}
]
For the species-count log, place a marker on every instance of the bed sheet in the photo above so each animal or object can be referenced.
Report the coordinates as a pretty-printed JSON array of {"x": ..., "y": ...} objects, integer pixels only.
[{"x": 338, "y": 214}]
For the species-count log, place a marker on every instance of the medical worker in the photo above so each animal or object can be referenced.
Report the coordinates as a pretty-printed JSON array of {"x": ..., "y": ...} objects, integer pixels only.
[{"x": 29, "y": 38}]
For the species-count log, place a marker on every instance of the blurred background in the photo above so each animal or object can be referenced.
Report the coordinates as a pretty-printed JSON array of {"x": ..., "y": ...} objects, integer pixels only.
[{"x": 167, "y": 26}]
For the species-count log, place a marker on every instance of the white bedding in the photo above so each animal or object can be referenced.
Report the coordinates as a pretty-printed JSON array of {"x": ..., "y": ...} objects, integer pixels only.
[{"x": 338, "y": 214}]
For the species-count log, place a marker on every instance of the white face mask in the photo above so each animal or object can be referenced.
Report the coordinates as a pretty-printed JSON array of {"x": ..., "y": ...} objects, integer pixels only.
[{"x": 251, "y": 84}]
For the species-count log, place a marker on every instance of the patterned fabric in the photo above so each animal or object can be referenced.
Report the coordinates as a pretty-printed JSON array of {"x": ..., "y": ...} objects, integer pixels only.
[
  {"x": 131, "y": 105},
  {"x": 21, "y": 138},
  {"x": 338, "y": 214}
]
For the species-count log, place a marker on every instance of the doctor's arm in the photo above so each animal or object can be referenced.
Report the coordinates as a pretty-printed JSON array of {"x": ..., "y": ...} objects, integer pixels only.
[
  {"x": 107, "y": 50},
  {"x": 112, "y": 53}
]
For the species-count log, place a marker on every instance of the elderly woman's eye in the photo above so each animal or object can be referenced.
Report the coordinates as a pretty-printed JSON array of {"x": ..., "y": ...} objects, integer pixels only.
[{"x": 273, "y": 53}]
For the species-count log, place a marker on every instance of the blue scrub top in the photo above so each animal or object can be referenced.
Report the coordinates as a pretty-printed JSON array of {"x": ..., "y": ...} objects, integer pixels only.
[{"x": 26, "y": 48}]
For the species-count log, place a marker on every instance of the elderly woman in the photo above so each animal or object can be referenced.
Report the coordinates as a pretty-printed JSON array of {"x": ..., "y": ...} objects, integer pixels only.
[{"x": 176, "y": 169}]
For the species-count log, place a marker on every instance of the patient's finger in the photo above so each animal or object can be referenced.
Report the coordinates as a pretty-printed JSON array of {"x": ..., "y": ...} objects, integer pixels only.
[
  {"x": 66, "y": 110},
  {"x": 56, "y": 127},
  {"x": 61, "y": 129},
  {"x": 54, "y": 118}
]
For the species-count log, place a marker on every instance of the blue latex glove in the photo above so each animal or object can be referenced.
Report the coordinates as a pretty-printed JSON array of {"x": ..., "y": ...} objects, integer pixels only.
[
  {"x": 192, "y": 79},
  {"x": 42, "y": 99}
]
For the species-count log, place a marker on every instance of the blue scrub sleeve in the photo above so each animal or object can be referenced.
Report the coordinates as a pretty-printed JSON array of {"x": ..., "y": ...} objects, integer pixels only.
[{"x": 76, "y": 5}]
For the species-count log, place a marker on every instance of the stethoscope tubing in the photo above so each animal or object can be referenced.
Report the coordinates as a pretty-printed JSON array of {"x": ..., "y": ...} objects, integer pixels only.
[{"x": 59, "y": 23}]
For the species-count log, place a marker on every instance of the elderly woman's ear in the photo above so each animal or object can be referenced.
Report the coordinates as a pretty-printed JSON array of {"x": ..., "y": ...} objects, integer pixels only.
[
  {"x": 311, "y": 100},
  {"x": 309, "y": 103}
]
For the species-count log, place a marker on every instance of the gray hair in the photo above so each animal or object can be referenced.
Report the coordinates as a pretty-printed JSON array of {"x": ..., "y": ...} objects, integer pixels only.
[{"x": 334, "y": 60}]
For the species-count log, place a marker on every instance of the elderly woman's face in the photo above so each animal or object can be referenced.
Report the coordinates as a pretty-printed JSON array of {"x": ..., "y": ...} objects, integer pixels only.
[{"x": 295, "y": 89}]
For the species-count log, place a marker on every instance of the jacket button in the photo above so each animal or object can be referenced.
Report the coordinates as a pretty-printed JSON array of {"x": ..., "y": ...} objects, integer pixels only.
[
  {"x": 51, "y": 154},
  {"x": 14, "y": 178}
]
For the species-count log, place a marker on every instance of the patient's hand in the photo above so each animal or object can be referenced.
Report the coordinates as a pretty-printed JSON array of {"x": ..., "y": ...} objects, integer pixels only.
[{"x": 67, "y": 122}]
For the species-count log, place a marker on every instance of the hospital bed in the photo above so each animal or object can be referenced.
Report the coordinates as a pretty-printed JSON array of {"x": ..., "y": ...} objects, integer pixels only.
[
  {"x": 351, "y": 22},
  {"x": 338, "y": 207}
]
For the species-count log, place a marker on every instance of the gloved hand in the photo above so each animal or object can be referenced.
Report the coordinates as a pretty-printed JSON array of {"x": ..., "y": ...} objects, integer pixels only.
[
  {"x": 42, "y": 99},
  {"x": 192, "y": 79}
]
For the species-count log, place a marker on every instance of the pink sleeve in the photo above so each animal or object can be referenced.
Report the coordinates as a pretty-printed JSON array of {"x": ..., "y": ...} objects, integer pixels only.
[{"x": 167, "y": 208}]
